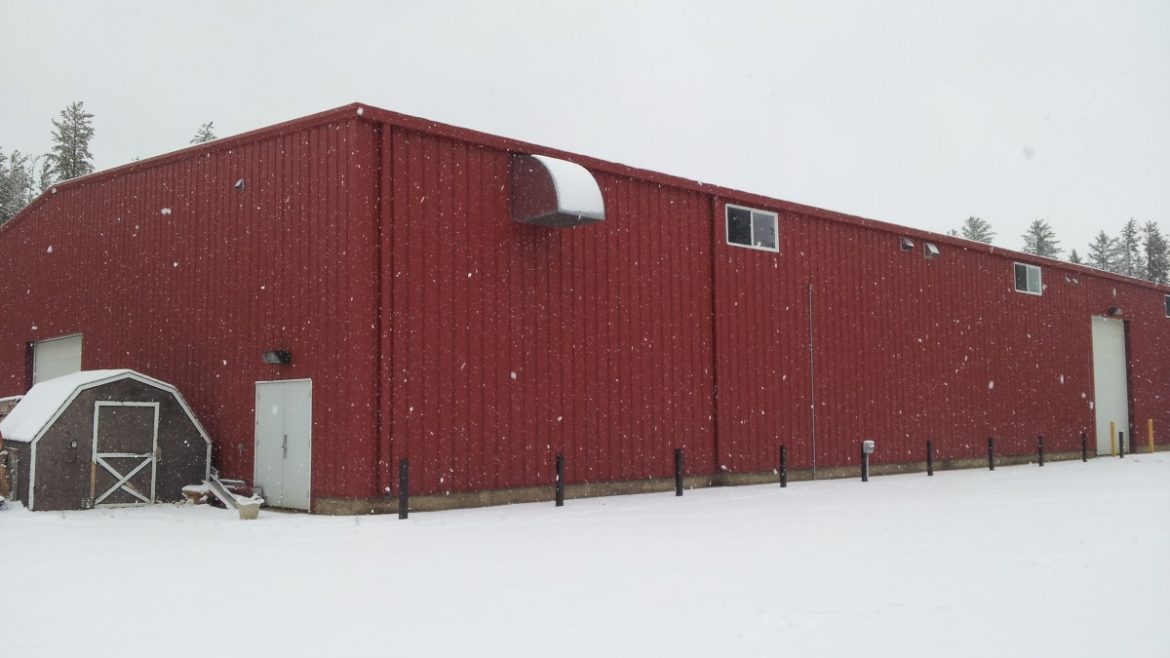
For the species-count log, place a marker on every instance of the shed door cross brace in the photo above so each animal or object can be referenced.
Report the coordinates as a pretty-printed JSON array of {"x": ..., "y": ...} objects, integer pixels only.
[{"x": 123, "y": 481}]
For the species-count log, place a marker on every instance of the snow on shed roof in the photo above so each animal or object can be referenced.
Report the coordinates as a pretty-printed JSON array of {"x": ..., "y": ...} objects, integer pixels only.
[{"x": 40, "y": 405}]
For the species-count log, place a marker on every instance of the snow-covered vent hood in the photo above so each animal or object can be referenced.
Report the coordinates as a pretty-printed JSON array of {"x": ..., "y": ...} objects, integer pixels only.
[{"x": 554, "y": 193}]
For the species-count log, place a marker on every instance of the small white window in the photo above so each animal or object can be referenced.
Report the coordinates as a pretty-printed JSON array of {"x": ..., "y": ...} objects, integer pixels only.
[
  {"x": 1028, "y": 279},
  {"x": 751, "y": 228},
  {"x": 1168, "y": 306},
  {"x": 906, "y": 243},
  {"x": 929, "y": 250}
]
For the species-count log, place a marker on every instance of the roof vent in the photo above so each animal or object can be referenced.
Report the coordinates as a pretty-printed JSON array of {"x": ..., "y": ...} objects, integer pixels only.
[{"x": 554, "y": 193}]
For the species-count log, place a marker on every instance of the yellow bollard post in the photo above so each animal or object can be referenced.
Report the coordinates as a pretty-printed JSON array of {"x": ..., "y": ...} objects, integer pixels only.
[
  {"x": 1150, "y": 433},
  {"x": 1112, "y": 439}
]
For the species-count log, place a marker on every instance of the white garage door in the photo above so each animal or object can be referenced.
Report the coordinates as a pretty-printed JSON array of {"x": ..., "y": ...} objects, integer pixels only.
[
  {"x": 56, "y": 357},
  {"x": 1110, "y": 389}
]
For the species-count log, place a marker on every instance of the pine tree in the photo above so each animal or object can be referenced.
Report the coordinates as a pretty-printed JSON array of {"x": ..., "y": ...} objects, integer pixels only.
[
  {"x": 204, "y": 134},
  {"x": 977, "y": 229},
  {"x": 1157, "y": 254},
  {"x": 5, "y": 191},
  {"x": 16, "y": 184},
  {"x": 1103, "y": 253},
  {"x": 1041, "y": 240},
  {"x": 70, "y": 156},
  {"x": 1129, "y": 251},
  {"x": 1075, "y": 258},
  {"x": 45, "y": 177}
]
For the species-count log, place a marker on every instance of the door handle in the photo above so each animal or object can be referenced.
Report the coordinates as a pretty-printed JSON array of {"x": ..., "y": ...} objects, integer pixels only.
[{"x": 284, "y": 447}]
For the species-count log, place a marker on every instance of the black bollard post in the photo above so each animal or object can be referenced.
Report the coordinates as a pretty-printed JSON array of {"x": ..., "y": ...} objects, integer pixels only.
[
  {"x": 783, "y": 465},
  {"x": 1121, "y": 444},
  {"x": 1040, "y": 448},
  {"x": 403, "y": 488},
  {"x": 864, "y": 464},
  {"x": 990, "y": 453},
  {"x": 1084, "y": 447},
  {"x": 560, "y": 480},
  {"x": 678, "y": 471},
  {"x": 930, "y": 458}
]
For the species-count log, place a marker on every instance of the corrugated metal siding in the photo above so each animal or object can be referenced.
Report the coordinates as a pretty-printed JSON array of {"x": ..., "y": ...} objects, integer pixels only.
[
  {"x": 512, "y": 343},
  {"x": 410, "y": 298},
  {"x": 1148, "y": 336},
  {"x": 192, "y": 294},
  {"x": 909, "y": 349}
]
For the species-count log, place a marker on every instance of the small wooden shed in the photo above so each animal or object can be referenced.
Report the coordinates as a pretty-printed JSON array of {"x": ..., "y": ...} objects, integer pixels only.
[{"x": 103, "y": 438}]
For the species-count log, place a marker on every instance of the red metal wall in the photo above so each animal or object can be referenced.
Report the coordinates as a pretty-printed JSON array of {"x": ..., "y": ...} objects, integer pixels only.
[
  {"x": 194, "y": 293},
  {"x": 380, "y": 250},
  {"x": 907, "y": 349},
  {"x": 512, "y": 343}
]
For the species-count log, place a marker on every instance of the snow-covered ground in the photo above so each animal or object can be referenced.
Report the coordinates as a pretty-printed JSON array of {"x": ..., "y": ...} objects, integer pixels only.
[{"x": 1067, "y": 560}]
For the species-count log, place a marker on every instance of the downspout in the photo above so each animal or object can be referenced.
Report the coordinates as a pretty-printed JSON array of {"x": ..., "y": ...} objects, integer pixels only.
[
  {"x": 812, "y": 379},
  {"x": 714, "y": 264},
  {"x": 382, "y": 461}
]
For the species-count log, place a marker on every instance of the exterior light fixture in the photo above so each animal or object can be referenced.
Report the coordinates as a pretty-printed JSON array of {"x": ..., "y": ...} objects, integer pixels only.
[
  {"x": 239, "y": 184},
  {"x": 1114, "y": 310},
  {"x": 278, "y": 357}
]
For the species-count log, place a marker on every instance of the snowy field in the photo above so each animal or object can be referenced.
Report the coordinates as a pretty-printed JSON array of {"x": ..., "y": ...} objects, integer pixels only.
[{"x": 1067, "y": 560}]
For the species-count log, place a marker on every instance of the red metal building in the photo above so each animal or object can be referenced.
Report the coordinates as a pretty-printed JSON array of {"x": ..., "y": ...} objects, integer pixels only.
[{"x": 423, "y": 322}]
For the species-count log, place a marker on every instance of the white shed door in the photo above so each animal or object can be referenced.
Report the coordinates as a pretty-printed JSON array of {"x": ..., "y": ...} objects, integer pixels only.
[
  {"x": 56, "y": 357},
  {"x": 125, "y": 453},
  {"x": 284, "y": 423},
  {"x": 1110, "y": 386}
]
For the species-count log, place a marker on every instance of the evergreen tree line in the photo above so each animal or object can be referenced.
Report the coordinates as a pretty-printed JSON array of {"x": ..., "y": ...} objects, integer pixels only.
[
  {"x": 23, "y": 176},
  {"x": 1138, "y": 250}
]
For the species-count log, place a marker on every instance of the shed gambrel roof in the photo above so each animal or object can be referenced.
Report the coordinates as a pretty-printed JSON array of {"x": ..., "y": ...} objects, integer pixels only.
[{"x": 43, "y": 404}]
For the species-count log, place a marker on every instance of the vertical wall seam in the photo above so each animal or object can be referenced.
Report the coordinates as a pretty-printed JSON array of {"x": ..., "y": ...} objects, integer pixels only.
[{"x": 716, "y": 433}]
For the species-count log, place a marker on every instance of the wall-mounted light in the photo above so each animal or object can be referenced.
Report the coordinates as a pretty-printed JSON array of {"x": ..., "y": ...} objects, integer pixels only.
[
  {"x": 239, "y": 184},
  {"x": 1114, "y": 310},
  {"x": 278, "y": 357}
]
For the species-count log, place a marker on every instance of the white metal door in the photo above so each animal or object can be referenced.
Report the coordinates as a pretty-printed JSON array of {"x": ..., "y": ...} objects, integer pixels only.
[
  {"x": 284, "y": 420},
  {"x": 269, "y": 457},
  {"x": 55, "y": 357},
  {"x": 125, "y": 453},
  {"x": 1110, "y": 386}
]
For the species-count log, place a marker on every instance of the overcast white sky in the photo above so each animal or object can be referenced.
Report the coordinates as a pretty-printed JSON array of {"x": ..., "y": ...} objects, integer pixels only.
[{"x": 914, "y": 112}]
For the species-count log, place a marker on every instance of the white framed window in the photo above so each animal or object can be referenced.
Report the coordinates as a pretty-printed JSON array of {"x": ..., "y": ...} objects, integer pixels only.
[
  {"x": 930, "y": 250},
  {"x": 1028, "y": 279},
  {"x": 751, "y": 228}
]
